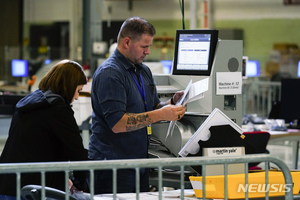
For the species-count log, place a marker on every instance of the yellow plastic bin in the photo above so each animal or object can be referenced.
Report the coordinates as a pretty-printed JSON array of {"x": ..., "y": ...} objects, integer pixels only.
[{"x": 214, "y": 185}]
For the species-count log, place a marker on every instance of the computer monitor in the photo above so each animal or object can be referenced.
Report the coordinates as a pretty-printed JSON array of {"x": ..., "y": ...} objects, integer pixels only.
[
  {"x": 290, "y": 102},
  {"x": 19, "y": 68},
  {"x": 252, "y": 68},
  {"x": 167, "y": 66},
  {"x": 298, "y": 71},
  {"x": 194, "y": 52},
  {"x": 47, "y": 61}
]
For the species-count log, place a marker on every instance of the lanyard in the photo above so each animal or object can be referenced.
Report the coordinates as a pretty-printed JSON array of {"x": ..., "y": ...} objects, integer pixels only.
[{"x": 142, "y": 90}]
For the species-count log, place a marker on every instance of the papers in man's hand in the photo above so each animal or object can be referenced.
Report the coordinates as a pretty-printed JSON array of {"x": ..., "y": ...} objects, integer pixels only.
[
  {"x": 184, "y": 96},
  {"x": 192, "y": 92}
]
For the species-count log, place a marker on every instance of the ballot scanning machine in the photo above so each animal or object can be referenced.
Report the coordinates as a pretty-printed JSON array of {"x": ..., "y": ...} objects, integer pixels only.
[{"x": 198, "y": 55}]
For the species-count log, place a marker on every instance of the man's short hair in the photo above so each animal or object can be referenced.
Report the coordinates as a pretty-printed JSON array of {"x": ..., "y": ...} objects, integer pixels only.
[{"x": 134, "y": 28}]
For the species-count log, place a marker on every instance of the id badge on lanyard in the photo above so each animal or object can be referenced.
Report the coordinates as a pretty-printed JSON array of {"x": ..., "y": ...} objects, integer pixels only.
[
  {"x": 143, "y": 94},
  {"x": 149, "y": 130}
]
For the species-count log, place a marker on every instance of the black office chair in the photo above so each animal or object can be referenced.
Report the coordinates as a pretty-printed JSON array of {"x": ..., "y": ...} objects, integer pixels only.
[{"x": 34, "y": 192}]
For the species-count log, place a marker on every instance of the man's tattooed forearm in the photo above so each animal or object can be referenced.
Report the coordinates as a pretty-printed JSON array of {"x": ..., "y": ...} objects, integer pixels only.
[{"x": 137, "y": 121}]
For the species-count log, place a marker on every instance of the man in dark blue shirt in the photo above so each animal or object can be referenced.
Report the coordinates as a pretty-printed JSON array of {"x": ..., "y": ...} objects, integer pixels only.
[{"x": 125, "y": 104}]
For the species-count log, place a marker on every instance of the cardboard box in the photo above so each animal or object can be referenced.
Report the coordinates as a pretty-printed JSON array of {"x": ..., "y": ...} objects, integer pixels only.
[{"x": 284, "y": 47}]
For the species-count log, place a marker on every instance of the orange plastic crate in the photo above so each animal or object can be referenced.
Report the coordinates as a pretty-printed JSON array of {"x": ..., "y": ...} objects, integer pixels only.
[{"x": 214, "y": 185}]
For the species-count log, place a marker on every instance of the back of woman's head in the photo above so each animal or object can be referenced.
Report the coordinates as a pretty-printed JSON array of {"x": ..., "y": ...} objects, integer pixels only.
[{"x": 63, "y": 79}]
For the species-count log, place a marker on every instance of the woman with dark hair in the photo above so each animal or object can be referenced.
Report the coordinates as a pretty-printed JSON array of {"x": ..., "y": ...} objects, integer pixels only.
[{"x": 43, "y": 129}]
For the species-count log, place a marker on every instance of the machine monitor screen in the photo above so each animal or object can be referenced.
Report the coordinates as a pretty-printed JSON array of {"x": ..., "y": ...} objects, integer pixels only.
[
  {"x": 252, "y": 68},
  {"x": 19, "y": 68},
  {"x": 194, "y": 52},
  {"x": 290, "y": 100},
  {"x": 47, "y": 61}
]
